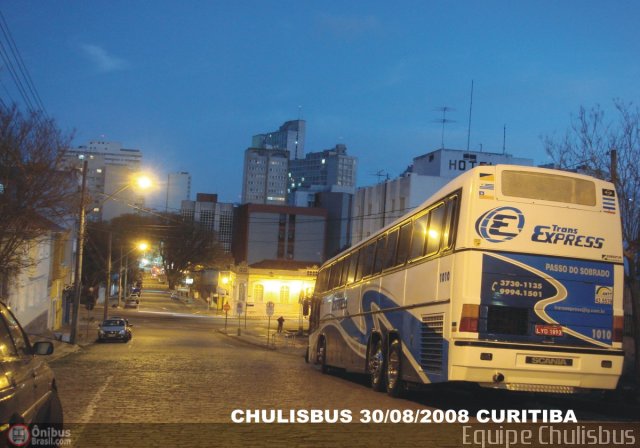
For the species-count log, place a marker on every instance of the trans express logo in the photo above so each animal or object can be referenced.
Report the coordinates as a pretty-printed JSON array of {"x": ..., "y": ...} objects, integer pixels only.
[{"x": 500, "y": 224}]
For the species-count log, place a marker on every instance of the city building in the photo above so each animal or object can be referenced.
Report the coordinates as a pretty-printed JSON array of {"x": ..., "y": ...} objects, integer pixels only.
[
  {"x": 279, "y": 233},
  {"x": 264, "y": 178},
  {"x": 37, "y": 294},
  {"x": 331, "y": 168},
  {"x": 178, "y": 190},
  {"x": 377, "y": 206},
  {"x": 290, "y": 137},
  {"x": 109, "y": 171},
  {"x": 212, "y": 215},
  {"x": 326, "y": 179}
]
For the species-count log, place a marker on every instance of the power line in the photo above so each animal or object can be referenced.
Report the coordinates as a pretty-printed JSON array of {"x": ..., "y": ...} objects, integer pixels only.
[{"x": 18, "y": 70}]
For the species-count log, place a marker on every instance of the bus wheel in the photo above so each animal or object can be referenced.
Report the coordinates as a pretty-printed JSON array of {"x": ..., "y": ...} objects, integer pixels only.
[
  {"x": 395, "y": 386},
  {"x": 376, "y": 366},
  {"x": 321, "y": 356}
]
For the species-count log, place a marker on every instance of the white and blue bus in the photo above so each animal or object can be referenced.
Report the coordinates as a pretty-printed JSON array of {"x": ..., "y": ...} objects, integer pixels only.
[{"x": 509, "y": 277}]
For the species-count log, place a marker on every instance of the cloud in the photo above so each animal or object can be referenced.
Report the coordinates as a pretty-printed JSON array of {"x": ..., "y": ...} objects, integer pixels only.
[
  {"x": 103, "y": 61},
  {"x": 343, "y": 26}
]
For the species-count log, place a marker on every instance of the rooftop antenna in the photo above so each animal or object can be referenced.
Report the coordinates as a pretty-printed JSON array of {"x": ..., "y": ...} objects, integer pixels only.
[
  {"x": 470, "y": 110},
  {"x": 504, "y": 139},
  {"x": 298, "y": 131},
  {"x": 381, "y": 174},
  {"x": 444, "y": 120}
]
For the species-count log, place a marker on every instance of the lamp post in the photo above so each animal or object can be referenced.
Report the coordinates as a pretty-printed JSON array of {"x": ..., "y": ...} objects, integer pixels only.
[
  {"x": 107, "y": 292},
  {"x": 79, "y": 255}
]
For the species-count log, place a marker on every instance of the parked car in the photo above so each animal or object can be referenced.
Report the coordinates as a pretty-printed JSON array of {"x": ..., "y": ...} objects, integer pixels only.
[
  {"x": 28, "y": 391},
  {"x": 115, "y": 328},
  {"x": 132, "y": 302}
]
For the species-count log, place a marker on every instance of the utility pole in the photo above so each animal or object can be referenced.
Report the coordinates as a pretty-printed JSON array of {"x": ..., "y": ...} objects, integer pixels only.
[
  {"x": 120, "y": 279},
  {"x": 79, "y": 255},
  {"x": 107, "y": 292}
]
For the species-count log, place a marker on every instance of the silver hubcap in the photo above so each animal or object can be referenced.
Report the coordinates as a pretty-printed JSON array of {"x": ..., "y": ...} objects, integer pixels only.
[
  {"x": 375, "y": 363},
  {"x": 393, "y": 367}
]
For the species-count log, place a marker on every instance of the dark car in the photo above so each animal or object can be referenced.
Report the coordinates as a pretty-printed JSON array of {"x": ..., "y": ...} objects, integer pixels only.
[
  {"x": 116, "y": 329},
  {"x": 28, "y": 392}
]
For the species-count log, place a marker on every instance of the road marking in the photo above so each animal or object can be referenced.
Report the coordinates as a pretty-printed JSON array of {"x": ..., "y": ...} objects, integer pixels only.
[{"x": 93, "y": 405}]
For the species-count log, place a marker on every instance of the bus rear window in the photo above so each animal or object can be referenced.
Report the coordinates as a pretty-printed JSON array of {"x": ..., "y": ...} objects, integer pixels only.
[{"x": 548, "y": 187}]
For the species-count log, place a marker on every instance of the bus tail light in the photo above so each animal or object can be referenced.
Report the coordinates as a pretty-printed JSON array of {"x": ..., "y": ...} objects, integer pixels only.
[
  {"x": 618, "y": 328},
  {"x": 469, "y": 319}
]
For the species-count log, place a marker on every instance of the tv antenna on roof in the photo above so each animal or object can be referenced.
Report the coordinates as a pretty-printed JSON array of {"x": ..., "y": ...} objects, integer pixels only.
[
  {"x": 444, "y": 120},
  {"x": 381, "y": 174}
]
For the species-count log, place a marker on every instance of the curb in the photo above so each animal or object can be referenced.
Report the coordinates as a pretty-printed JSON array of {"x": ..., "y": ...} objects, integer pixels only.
[{"x": 263, "y": 345}]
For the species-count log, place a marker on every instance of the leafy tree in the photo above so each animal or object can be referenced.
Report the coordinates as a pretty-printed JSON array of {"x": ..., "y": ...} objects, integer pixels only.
[
  {"x": 35, "y": 184},
  {"x": 186, "y": 245},
  {"x": 587, "y": 145}
]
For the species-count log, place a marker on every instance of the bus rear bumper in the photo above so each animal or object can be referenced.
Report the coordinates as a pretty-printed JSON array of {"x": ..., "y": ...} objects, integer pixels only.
[{"x": 530, "y": 370}]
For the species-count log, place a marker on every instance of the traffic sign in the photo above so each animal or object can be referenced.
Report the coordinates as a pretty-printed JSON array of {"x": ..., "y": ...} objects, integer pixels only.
[
  {"x": 270, "y": 308},
  {"x": 239, "y": 308},
  {"x": 226, "y": 307}
]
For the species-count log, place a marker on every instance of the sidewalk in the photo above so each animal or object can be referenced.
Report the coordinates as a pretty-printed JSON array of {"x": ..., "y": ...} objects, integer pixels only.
[
  {"x": 88, "y": 321},
  {"x": 257, "y": 333}
]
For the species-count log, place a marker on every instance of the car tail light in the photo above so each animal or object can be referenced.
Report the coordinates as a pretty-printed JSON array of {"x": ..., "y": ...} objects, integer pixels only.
[
  {"x": 469, "y": 318},
  {"x": 618, "y": 328}
]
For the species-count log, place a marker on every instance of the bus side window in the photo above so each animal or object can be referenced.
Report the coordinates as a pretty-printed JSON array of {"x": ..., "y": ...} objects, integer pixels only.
[
  {"x": 390, "y": 251},
  {"x": 368, "y": 252},
  {"x": 404, "y": 244},
  {"x": 345, "y": 270},
  {"x": 380, "y": 254},
  {"x": 434, "y": 236},
  {"x": 360, "y": 267},
  {"x": 450, "y": 222},
  {"x": 351, "y": 276},
  {"x": 321, "y": 284},
  {"x": 336, "y": 272},
  {"x": 420, "y": 227}
]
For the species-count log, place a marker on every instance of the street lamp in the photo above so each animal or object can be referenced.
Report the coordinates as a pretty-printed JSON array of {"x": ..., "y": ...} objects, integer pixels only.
[{"x": 142, "y": 246}]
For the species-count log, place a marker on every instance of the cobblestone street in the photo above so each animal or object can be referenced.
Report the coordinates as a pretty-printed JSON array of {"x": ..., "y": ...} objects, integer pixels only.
[{"x": 182, "y": 376}]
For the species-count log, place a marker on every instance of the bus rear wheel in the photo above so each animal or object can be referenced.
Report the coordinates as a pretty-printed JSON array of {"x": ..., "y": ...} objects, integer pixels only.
[
  {"x": 395, "y": 385},
  {"x": 376, "y": 365}
]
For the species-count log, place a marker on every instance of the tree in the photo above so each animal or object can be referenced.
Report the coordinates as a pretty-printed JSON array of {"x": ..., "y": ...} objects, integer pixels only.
[
  {"x": 588, "y": 145},
  {"x": 35, "y": 184},
  {"x": 187, "y": 244}
]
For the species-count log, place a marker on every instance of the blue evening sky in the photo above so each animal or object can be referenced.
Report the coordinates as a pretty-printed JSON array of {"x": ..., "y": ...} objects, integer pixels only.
[{"x": 189, "y": 82}]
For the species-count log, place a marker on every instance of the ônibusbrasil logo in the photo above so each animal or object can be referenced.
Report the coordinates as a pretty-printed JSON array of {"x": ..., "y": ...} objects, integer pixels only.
[
  {"x": 19, "y": 435},
  {"x": 500, "y": 224}
]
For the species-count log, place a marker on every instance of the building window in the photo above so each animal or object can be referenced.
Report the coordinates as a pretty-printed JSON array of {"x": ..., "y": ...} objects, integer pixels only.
[
  {"x": 258, "y": 293},
  {"x": 284, "y": 294}
]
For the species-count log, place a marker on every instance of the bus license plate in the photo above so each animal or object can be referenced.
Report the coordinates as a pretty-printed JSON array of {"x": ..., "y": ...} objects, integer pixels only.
[
  {"x": 542, "y": 360},
  {"x": 548, "y": 330}
]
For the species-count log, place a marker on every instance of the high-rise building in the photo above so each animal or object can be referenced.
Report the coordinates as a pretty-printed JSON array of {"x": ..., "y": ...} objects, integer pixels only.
[
  {"x": 212, "y": 215},
  {"x": 326, "y": 169},
  {"x": 178, "y": 190},
  {"x": 326, "y": 179},
  {"x": 290, "y": 136},
  {"x": 264, "y": 180},
  {"x": 110, "y": 167}
]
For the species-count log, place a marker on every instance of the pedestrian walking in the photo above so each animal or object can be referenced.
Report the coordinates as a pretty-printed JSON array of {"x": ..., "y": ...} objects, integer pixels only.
[{"x": 280, "y": 324}]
